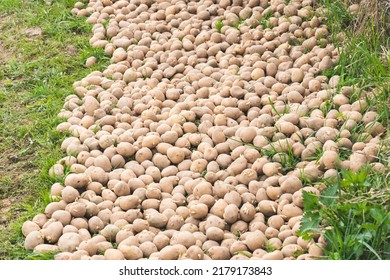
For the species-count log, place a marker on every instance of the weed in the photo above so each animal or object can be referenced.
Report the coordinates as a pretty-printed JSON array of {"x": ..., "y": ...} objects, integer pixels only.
[
  {"x": 264, "y": 20},
  {"x": 269, "y": 247},
  {"x": 219, "y": 25},
  {"x": 352, "y": 214}
]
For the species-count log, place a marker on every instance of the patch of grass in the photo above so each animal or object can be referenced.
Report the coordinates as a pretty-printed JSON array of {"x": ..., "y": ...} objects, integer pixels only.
[
  {"x": 269, "y": 247},
  {"x": 364, "y": 57},
  {"x": 46, "y": 47},
  {"x": 352, "y": 213},
  {"x": 219, "y": 25},
  {"x": 264, "y": 20}
]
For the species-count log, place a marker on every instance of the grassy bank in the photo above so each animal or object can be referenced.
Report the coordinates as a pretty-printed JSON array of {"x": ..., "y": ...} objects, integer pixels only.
[
  {"x": 353, "y": 213},
  {"x": 43, "y": 48}
]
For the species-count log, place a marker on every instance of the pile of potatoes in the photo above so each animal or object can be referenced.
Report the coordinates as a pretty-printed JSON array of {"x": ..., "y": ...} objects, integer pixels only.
[{"x": 199, "y": 139}]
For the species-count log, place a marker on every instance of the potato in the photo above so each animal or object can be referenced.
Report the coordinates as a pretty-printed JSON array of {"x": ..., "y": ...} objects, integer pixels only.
[
  {"x": 195, "y": 253},
  {"x": 199, "y": 210},
  {"x": 271, "y": 168},
  {"x": 129, "y": 202},
  {"x": 215, "y": 233},
  {"x": 231, "y": 213},
  {"x": 175, "y": 155},
  {"x": 233, "y": 197},
  {"x": 268, "y": 207},
  {"x": 90, "y": 246},
  {"x": 169, "y": 253},
  {"x": 52, "y": 207},
  {"x": 326, "y": 133},
  {"x": 152, "y": 136},
  {"x": 156, "y": 219},
  {"x": 79, "y": 223},
  {"x": 247, "y": 212},
  {"x": 316, "y": 250},
  {"x": 95, "y": 224},
  {"x": 184, "y": 238},
  {"x": 330, "y": 159},
  {"x": 76, "y": 209},
  {"x": 69, "y": 242},
  {"x": 130, "y": 252},
  {"x": 275, "y": 255},
  {"x": 247, "y": 176},
  {"x": 175, "y": 222},
  {"x": 239, "y": 227},
  {"x": 237, "y": 246},
  {"x": 237, "y": 166},
  {"x": 29, "y": 226},
  {"x": 285, "y": 127},
  {"x": 214, "y": 221},
  {"x": 57, "y": 170},
  {"x": 357, "y": 160},
  {"x": 77, "y": 180},
  {"x": 201, "y": 189},
  {"x": 63, "y": 256},
  {"x": 53, "y": 232},
  {"x": 113, "y": 254},
  {"x": 69, "y": 194},
  {"x": 248, "y": 134},
  {"x": 291, "y": 250},
  {"x": 291, "y": 184},
  {"x": 140, "y": 225},
  {"x": 143, "y": 154},
  {"x": 125, "y": 149},
  {"x": 198, "y": 165},
  {"x": 110, "y": 232},
  {"x": 33, "y": 239},
  {"x": 103, "y": 162},
  {"x": 161, "y": 241},
  {"x": 275, "y": 221},
  {"x": 151, "y": 141},
  {"x": 219, "y": 253},
  {"x": 46, "y": 248},
  {"x": 255, "y": 240},
  {"x": 291, "y": 210},
  {"x": 310, "y": 172}
]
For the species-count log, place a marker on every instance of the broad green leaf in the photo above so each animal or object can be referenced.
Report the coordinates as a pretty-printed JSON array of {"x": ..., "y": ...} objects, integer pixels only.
[{"x": 329, "y": 195}]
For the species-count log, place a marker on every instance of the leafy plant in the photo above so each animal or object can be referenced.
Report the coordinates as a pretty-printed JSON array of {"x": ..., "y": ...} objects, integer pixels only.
[{"x": 353, "y": 218}]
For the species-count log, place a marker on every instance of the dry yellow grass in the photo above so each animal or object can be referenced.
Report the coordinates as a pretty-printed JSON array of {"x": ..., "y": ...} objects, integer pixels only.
[{"x": 373, "y": 11}]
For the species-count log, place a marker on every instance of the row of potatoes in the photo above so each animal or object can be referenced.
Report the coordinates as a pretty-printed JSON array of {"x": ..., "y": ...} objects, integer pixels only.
[{"x": 198, "y": 141}]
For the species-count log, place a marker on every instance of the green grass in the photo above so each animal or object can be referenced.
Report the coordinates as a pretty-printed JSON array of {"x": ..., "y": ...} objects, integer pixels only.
[
  {"x": 219, "y": 25},
  {"x": 353, "y": 212},
  {"x": 364, "y": 59},
  {"x": 45, "y": 48}
]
